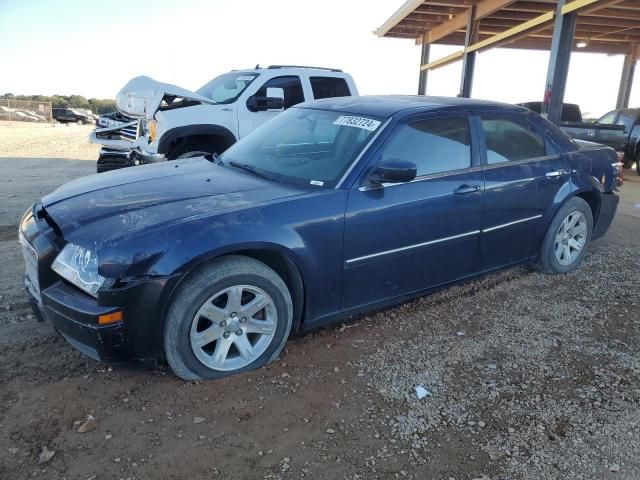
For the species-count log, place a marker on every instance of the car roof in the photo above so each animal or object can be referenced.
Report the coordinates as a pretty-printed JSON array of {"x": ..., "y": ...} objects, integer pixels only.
[
  {"x": 283, "y": 70},
  {"x": 385, "y": 106}
]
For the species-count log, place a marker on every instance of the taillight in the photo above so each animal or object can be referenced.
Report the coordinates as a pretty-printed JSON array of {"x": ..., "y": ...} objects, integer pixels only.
[{"x": 618, "y": 173}]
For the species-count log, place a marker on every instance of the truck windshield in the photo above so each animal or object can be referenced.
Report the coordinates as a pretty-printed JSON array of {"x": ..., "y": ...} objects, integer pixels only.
[
  {"x": 228, "y": 87},
  {"x": 304, "y": 146}
]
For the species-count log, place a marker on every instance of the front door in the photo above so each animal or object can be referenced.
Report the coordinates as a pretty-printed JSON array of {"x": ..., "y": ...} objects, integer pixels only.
[
  {"x": 523, "y": 174},
  {"x": 253, "y": 113},
  {"x": 403, "y": 238}
]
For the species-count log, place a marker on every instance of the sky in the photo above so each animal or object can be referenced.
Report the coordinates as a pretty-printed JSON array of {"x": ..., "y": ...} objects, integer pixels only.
[{"x": 92, "y": 48}]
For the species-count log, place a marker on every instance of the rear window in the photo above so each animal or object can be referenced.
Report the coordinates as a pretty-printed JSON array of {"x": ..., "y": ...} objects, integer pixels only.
[
  {"x": 511, "y": 140},
  {"x": 327, "y": 87}
]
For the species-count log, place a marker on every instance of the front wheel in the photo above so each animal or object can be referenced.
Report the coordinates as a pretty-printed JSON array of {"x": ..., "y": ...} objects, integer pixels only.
[
  {"x": 231, "y": 316},
  {"x": 192, "y": 154},
  {"x": 566, "y": 240}
]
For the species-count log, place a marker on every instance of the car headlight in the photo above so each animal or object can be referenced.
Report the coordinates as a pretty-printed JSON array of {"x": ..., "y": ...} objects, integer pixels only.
[
  {"x": 148, "y": 129},
  {"x": 79, "y": 266}
]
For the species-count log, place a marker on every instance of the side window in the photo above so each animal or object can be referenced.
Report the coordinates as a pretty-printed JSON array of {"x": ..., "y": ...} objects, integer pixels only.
[
  {"x": 608, "y": 118},
  {"x": 326, "y": 87},
  {"x": 292, "y": 89},
  {"x": 509, "y": 140},
  {"x": 626, "y": 120},
  {"x": 436, "y": 145}
]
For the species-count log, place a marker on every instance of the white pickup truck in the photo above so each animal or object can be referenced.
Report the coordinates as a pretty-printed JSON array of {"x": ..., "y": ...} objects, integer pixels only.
[{"x": 171, "y": 122}]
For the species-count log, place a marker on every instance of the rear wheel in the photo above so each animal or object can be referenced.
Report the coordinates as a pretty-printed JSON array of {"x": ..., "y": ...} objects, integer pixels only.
[
  {"x": 566, "y": 240},
  {"x": 638, "y": 164},
  {"x": 230, "y": 316}
]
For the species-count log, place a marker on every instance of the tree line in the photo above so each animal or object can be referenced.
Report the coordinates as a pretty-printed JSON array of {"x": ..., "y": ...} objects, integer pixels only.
[{"x": 96, "y": 105}]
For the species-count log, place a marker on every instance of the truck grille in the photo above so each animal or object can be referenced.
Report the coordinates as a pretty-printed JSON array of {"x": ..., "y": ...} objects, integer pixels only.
[{"x": 130, "y": 132}]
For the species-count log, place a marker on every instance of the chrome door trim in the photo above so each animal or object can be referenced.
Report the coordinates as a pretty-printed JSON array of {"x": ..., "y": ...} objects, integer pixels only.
[
  {"x": 515, "y": 222},
  {"x": 411, "y": 247},
  {"x": 431, "y": 176},
  {"x": 491, "y": 166}
]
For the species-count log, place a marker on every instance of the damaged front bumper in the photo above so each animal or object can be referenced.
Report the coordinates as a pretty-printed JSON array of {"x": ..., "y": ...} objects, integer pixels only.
[
  {"x": 75, "y": 316},
  {"x": 112, "y": 159},
  {"x": 135, "y": 335}
]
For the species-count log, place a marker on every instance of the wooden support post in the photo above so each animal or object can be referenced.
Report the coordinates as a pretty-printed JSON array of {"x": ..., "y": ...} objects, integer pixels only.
[
  {"x": 561, "y": 45},
  {"x": 424, "y": 59}
]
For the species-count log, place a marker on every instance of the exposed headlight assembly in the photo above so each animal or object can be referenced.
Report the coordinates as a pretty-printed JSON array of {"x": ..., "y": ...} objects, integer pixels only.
[
  {"x": 148, "y": 129},
  {"x": 79, "y": 266}
]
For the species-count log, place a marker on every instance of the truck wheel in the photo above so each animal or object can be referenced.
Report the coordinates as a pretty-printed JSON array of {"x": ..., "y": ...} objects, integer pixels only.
[
  {"x": 192, "y": 154},
  {"x": 231, "y": 316},
  {"x": 190, "y": 149},
  {"x": 567, "y": 237}
]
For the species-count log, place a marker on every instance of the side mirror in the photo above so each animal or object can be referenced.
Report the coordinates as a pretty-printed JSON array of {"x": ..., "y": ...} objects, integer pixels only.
[
  {"x": 273, "y": 102},
  {"x": 394, "y": 171}
]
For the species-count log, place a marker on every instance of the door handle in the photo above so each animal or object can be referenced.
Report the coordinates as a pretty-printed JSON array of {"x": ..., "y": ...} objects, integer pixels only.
[
  {"x": 555, "y": 174},
  {"x": 466, "y": 189}
]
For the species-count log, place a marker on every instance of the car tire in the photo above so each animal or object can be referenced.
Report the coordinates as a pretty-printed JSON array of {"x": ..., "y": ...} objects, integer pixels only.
[
  {"x": 192, "y": 154},
  {"x": 567, "y": 238},
  {"x": 192, "y": 149},
  {"x": 638, "y": 164},
  {"x": 204, "y": 302}
]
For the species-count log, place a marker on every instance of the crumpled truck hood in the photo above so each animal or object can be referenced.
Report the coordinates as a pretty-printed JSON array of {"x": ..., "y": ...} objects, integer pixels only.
[
  {"x": 106, "y": 206},
  {"x": 141, "y": 96}
]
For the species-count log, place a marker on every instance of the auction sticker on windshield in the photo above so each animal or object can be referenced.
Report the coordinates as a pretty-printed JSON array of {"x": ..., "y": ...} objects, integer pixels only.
[{"x": 358, "y": 122}]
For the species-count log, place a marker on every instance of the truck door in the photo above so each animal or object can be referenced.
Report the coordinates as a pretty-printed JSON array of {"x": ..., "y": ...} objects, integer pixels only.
[{"x": 254, "y": 113}]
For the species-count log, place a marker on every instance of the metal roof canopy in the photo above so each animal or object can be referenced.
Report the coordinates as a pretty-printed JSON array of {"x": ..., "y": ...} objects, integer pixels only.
[{"x": 597, "y": 26}]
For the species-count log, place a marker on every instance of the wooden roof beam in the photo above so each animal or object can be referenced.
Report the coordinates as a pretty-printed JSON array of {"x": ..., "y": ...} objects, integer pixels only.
[
  {"x": 483, "y": 9},
  {"x": 408, "y": 7}
]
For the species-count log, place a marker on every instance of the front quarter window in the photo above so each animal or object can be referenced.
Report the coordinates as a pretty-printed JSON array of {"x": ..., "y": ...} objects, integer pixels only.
[
  {"x": 608, "y": 118},
  {"x": 304, "y": 146}
]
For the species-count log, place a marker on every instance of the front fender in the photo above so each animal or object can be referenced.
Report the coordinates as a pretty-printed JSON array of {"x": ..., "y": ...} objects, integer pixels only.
[{"x": 307, "y": 230}]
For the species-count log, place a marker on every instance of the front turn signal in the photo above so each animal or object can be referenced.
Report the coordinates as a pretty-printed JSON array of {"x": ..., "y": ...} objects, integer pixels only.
[{"x": 110, "y": 318}]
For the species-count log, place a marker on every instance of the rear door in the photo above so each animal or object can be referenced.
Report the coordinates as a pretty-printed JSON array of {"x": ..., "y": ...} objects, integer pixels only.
[
  {"x": 523, "y": 174},
  {"x": 627, "y": 119},
  {"x": 404, "y": 237}
]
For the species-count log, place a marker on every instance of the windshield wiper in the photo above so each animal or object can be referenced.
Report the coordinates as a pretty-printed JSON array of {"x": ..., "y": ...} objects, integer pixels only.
[
  {"x": 214, "y": 158},
  {"x": 251, "y": 169}
]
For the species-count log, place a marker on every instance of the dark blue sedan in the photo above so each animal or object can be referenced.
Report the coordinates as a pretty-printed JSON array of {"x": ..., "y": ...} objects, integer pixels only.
[{"x": 333, "y": 208}]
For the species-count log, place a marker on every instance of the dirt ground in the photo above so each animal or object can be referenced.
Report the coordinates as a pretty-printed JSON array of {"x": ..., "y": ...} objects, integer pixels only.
[{"x": 530, "y": 376}]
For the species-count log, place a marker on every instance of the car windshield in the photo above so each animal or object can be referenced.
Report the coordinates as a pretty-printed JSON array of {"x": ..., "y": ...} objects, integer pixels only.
[
  {"x": 304, "y": 146},
  {"x": 228, "y": 87}
]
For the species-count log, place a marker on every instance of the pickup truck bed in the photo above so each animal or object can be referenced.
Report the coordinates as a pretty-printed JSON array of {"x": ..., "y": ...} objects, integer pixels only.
[{"x": 609, "y": 135}]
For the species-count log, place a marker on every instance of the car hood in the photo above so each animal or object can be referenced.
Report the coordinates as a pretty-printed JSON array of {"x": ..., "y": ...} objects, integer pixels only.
[
  {"x": 141, "y": 96},
  {"x": 109, "y": 205}
]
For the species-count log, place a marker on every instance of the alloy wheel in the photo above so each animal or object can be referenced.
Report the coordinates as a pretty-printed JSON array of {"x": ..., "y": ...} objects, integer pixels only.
[
  {"x": 571, "y": 238},
  {"x": 233, "y": 328}
]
